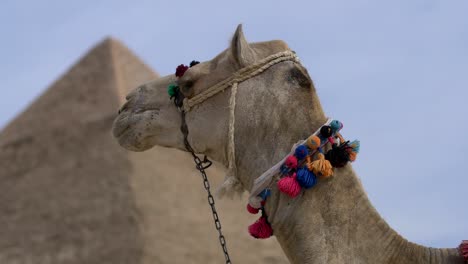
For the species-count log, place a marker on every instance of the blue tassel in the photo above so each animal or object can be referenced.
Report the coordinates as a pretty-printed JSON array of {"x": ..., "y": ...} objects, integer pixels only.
[
  {"x": 301, "y": 152},
  {"x": 264, "y": 194},
  {"x": 284, "y": 170},
  {"x": 355, "y": 145},
  {"x": 306, "y": 178},
  {"x": 336, "y": 125}
]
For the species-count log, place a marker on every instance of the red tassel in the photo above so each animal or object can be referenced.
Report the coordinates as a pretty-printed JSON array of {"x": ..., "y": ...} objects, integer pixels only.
[
  {"x": 464, "y": 249},
  {"x": 252, "y": 210},
  {"x": 289, "y": 186},
  {"x": 261, "y": 229},
  {"x": 291, "y": 162}
]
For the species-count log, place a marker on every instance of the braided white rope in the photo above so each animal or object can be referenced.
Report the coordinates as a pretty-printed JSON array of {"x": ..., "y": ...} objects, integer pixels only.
[
  {"x": 231, "y": 184},
  {"x": 240, "y": 76}
]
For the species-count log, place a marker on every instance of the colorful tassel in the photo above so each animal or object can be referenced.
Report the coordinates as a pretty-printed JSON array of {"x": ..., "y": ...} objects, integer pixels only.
[
  {"x": 252, "y": 210},
  {"x": 172, "y": 90},
  {"x": 338, "y": 155},
  {"x": 464, "y": 249},
  {"x": 301, "y": 152},
  {"x": 193, "y": 63},
  {"x": 336, "y": 126},
  {"x": 321, "y": 166},
  {"x": 353, "y": 150},
  {"x": 285, "y": 170},
  {"x": 261, "y": 229},
  {"x": 180, "y": 70},
  {"x": 265, "y": 194},
  {"x": 289, "y": 186},
  {"x": 306, "y": 178},
  {"x": 355, "y": 146},
  {"x": 326, "y": 131},
  {"x": 313, "y": 142},
  {"x": 291, "y": 162}
]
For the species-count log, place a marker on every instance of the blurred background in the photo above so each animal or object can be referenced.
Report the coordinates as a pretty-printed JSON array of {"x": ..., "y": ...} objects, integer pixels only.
[{"x": 394, "y": 72}]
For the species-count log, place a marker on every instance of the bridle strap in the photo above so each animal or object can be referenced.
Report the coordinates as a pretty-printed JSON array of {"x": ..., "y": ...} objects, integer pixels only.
[{"x": 240, "y": 76}]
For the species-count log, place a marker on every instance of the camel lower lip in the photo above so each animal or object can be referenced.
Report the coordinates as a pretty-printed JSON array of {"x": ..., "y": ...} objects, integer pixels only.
[{"x": 120, "y": 132}]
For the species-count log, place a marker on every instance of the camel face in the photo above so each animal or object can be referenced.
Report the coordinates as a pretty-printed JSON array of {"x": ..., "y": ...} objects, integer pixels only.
[
  {"x": 150, "y": 118},
  {"x": 147, "y": 114}
]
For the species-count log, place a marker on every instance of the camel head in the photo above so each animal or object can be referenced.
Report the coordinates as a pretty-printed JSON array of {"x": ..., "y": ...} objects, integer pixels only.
[{"x": 150, "y": 118}]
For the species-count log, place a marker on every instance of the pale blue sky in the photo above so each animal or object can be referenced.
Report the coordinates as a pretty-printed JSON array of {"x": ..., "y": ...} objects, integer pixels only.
[{"x": 395, "y": 72}]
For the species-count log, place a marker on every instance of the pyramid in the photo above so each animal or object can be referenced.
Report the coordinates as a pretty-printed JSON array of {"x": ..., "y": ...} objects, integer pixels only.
[{"x": 70, "y": 194}]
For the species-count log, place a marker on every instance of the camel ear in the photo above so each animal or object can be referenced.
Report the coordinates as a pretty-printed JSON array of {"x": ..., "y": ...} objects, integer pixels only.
[{"x": 241, "y": 51}]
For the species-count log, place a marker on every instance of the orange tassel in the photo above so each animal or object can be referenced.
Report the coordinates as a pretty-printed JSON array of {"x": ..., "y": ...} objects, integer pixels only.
[
  {"x": 321, "y": 166},
  {"x": 313, "y": 142},
  {"x": 352, "y": 155}
]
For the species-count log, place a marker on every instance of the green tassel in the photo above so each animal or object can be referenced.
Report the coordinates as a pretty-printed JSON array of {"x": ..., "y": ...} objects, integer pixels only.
[{"x": 172, "y": 90}]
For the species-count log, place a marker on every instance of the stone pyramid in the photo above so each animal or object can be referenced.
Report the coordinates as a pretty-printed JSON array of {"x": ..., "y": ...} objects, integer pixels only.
[{"x": 70, "y": 194}]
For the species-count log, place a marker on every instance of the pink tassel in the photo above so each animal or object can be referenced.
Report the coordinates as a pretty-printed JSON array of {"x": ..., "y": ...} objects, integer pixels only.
[
  {"x": 252, "y": 210},
  {"x": 464, "y": 249},
  {"x": 289, "y": 186},
  {"x": 261, "y": 229}
]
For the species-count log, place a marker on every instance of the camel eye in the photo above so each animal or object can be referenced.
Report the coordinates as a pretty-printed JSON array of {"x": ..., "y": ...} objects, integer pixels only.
[{"x": 188, "y": 85}]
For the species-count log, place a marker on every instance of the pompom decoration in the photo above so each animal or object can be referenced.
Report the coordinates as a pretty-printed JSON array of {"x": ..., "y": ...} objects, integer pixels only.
[
  {"x": 464, "y": 249},
  {"x": 180, "y": 70},
  {"x": 321, "y": 166},
  {"x": 172, "y": 90},
  {"x": 301, "y": 152},
  {"x": 313, "y": 142},
  {"x": 193, "y": 63},
  {"x": 338, "y": 155},
  {"x": 289, "y": 186},
  {"x": 261, "y": 229},
  {"x": 252, "y": 210},
  {"x": 291, "y": 162},
  {"x": 306, "y": 178},
  {"x": 336, "y": 126},
  {"x": 326, "y": 131}
]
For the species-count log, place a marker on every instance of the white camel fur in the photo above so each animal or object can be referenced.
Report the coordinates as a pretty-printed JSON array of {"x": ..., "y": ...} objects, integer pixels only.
[{"x": 334, "y": 222}]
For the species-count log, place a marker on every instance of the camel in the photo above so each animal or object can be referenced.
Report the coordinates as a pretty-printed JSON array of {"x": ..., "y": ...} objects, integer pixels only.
[{"x": 332, "y": 223}]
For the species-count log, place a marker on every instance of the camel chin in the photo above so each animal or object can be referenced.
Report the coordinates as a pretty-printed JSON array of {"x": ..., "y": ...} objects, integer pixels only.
[{"x": 135, "y": 135}]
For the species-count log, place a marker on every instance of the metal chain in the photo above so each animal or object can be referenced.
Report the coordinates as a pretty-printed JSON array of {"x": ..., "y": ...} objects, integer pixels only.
[{"x": 201, "y": 165}]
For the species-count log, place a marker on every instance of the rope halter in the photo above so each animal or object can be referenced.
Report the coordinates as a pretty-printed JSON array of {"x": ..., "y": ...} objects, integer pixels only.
[{"x": 231, "y": 182}]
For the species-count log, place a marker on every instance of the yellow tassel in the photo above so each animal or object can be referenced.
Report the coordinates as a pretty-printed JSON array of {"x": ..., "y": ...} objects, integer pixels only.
[
  {"x": 309, "y": 163},
  {"x": 321, "y": 166}
]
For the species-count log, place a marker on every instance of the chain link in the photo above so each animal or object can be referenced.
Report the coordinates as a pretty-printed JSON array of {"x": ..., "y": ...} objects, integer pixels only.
[{"x": 201, "y": 165}]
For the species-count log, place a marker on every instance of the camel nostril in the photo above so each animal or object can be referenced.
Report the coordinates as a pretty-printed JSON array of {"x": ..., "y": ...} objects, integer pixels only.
[{"x": 124, "y": 107}]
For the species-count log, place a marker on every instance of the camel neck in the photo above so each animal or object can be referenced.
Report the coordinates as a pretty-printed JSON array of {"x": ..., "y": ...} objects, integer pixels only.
[
  {"x": 337, "y": 214},
  {"x": 334, "y": 222}
]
